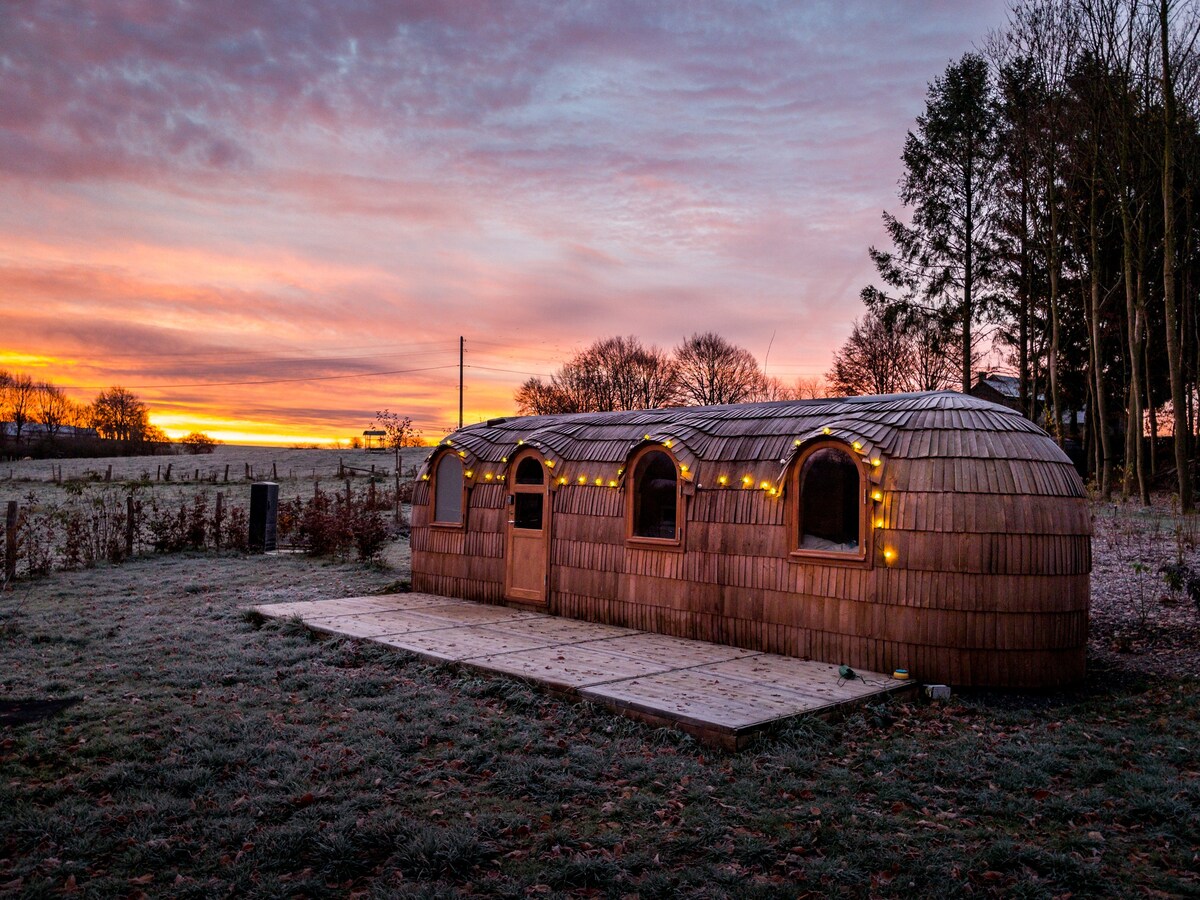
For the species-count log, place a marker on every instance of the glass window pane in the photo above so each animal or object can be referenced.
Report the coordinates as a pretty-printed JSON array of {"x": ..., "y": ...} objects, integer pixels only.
[
  {"x": 527, "y": 511},
  {"x": 830, "y": 502},
  {"x": 655, "y": 497},
  {"x": 529, "y": 471},
  {"x": 448, "y": 486}
]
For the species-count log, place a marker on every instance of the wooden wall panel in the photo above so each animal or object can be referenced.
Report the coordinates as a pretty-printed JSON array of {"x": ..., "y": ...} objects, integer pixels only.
[{"x": 989, "y": 584}]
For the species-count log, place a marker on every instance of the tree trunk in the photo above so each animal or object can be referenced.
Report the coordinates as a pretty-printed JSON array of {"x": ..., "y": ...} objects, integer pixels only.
[
  {"x": 968, "y": 311},
  {"x": 1055, "y": 336},
  {"x": 1023, "y": 378},
  {"x": 1134, "y": 444},
  {"x": 1099, "y": 404},
  {"x": 1179, "y": 400}
]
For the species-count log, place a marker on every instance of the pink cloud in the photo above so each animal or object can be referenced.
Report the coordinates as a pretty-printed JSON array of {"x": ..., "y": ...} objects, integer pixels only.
[{"x": 543, "y": 174}]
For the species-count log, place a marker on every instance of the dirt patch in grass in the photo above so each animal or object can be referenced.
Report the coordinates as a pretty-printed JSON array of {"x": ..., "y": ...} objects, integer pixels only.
[{"x": 215, "y": 754}]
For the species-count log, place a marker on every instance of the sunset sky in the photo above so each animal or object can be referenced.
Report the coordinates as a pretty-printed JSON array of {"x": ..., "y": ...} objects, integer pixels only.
[{"x": 214, "y": 203}]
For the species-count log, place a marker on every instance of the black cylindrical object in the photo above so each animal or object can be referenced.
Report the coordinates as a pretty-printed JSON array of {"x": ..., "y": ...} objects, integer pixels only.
[{"x": 264, "y": 515}]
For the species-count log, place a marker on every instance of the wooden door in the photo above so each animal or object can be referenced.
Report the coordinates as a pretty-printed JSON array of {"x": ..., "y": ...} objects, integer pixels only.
[{"x": 527, "y": 543}]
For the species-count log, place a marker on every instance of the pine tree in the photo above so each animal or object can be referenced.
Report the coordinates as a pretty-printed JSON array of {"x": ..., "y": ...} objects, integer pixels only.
[{"x": 942, "y": 263}]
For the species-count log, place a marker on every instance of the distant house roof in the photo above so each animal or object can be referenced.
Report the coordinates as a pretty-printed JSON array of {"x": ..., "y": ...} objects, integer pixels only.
[{"x": 1005, "y": 385}]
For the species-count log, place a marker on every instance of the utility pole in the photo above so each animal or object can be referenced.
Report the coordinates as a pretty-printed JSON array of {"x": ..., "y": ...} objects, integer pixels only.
[{"x": 460, "y": 380}]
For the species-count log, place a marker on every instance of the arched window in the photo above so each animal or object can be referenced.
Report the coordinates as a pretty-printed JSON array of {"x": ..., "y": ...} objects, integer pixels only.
[
  {"x": 829, "y": 503},
  {"x": 655, "y": 503},
  {"x": 448, "y": 491},
  {"x": 527, "y": 502}
]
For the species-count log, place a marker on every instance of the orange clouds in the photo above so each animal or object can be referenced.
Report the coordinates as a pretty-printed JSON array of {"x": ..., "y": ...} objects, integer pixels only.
[{"x": 243, "y": 212}]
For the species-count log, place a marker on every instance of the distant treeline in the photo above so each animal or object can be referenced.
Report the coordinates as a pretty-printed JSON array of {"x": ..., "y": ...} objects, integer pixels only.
[{"x": 38, "y": 419}]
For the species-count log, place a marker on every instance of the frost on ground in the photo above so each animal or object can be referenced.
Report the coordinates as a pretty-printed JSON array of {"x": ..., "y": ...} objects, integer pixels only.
[
  {"x": 1137, "y": 623},
  {"x": 163, "y": 741}
]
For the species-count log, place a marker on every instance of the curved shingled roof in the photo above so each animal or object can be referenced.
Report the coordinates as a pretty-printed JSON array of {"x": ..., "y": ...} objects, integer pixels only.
[{"x": 949, "y": 442}]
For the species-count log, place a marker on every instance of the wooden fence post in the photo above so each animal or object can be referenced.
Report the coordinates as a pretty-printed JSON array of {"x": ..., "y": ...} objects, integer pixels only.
[
  {"x": 274, "y": 473},
  {"x": 226, "y": 472},
  {"x": 10, "y": 544},
  {"x": 220, "y": 513},
  {"x": 130, "y": 526},
  {"x": 108, "y": 473}
]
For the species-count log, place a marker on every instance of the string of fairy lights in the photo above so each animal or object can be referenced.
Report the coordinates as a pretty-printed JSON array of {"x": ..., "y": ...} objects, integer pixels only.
[{"x": 497, "y": 473}]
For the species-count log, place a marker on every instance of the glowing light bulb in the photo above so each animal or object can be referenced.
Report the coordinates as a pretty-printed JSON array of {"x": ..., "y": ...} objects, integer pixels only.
[
  {"x": 747, "y": 480},
  {"x": 667, "y": 445},
  {"x": 773, "y": 492},
  {"x": 470, "y": 473},
  {"x": 765, "y": 485},
  {"x": 857, "y": 446},
  {"x": 549, "y": 464},
  {"x": 520, "y": 441},
  {"x": 879, "y": 523},
  {"x": 723, "y": 480},
  {"x": 424, "y": 477},
  {"x": 488, "y": 476},
  {"x": 462, "y": 454},
  {"x": 797, "y": 442},
  {"x": 504, "y": 459},
  {"x": 583, "y": 479},
  {"x": 599, "y": 482},
  {"x": 683, "y": 468},
  {"x": 876, "y": 461},
  {"x": 826, "y": 431},
  {"x": 562, "y": 480},
  {"x": 889, "y": 555},
  {"x": 612, "y": 484},
  {"x": 876, "y": 496}
]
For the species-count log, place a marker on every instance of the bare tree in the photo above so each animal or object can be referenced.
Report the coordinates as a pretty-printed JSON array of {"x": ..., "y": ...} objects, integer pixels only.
[
  {"x": 613, "y": 373},
  {"x": 51, "y": 408},
  {"x": 398, "y": 430},
  {"x": 117, "y": 414},
  {"x": 19, "y": 403},
  {"x": 711, "y": 370},
  {"x": 811, "y": 387},
  {"x": 876, "y": 359},
  {"x": 539, "y": 398}
]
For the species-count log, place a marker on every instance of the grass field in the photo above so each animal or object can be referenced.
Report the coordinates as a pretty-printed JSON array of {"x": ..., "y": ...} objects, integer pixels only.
[
  {"x": 201, "y": 752},
  {"x": 295, "y": 469}
]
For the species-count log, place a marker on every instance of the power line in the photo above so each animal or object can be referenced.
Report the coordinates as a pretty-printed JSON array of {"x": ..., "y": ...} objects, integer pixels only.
[{"x": 513, "y": 371}]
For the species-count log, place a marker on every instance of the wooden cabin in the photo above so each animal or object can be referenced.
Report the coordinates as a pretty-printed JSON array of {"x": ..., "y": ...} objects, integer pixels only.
[{"x": 934, "y": 532}]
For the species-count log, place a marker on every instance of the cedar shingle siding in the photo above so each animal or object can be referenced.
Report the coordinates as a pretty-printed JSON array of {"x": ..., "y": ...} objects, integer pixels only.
[{"x": 974, "y": 569}]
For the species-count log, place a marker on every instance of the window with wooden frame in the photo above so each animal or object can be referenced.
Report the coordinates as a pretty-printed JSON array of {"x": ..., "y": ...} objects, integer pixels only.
[
  {"x": 654, "y": 500},
  {"x": 449, "y": 491},
  {"x": 827, "y": 504},
  {"x": 528, "y": 494}
]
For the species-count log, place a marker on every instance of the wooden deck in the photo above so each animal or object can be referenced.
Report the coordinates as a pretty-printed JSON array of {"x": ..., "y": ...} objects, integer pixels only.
[{"x": 723, "y": 695}]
